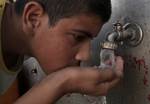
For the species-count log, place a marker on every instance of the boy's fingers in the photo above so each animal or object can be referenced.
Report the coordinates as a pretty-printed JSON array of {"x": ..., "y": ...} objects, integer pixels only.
[{"x": 103, "y": 88}]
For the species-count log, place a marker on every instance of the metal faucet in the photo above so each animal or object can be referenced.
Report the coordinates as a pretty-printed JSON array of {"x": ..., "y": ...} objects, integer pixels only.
[{"x": 131, "y": 34}]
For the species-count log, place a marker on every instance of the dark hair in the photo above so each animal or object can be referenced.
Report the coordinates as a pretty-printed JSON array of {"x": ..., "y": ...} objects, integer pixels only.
[{"x": 58, "y": 9}]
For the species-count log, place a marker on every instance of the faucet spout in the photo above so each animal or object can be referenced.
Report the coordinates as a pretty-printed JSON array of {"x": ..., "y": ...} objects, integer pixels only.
[
  {"x": 112, "y": 37},
  {"x": 129, "y": 33}
]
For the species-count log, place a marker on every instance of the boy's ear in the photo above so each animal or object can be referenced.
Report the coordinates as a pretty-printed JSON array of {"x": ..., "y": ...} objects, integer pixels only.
[{"x": 32, "y": 15}]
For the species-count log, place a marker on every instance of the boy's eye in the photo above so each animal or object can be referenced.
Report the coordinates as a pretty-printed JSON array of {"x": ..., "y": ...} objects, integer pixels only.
[{"x": 79, "y": 38}]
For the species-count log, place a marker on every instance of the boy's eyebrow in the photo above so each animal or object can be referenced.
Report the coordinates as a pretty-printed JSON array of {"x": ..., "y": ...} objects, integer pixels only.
[{"x": 84, "y": 32}]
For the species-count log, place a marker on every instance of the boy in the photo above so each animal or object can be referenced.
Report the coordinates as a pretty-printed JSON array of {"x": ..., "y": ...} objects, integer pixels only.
[{"x": 57, "y": 33}]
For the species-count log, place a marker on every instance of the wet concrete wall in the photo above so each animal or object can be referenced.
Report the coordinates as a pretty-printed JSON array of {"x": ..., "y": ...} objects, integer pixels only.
[{"x": 135, "y": 86}]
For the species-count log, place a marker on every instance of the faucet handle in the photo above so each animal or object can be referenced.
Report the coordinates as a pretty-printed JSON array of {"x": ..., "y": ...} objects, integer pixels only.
[
  {"x": 133, "y": 33},
  {"x": 130, "y": 34},
  {"x": 117, "y": 26}
]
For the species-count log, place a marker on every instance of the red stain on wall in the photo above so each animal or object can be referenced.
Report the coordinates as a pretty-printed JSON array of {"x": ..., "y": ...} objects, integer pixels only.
[
  {"x": 148, "y": 97},
  {"x": 145, "y": 81},
  {"x": 142, "y": 66},
  {"x": 140, "y": 63},
  {"x": 146, "y": 72}
]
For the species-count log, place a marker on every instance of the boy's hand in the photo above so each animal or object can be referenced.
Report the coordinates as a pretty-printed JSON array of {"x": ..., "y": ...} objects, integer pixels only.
[{"x": 92, "y": 81}]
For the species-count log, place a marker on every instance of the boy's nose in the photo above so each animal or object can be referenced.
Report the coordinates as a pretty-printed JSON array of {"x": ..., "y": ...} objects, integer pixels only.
[{"x": 84, "y": 52}]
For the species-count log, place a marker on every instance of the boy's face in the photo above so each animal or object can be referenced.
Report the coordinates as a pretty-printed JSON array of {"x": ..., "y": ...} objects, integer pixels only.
[{"x": 65, "y": 44}]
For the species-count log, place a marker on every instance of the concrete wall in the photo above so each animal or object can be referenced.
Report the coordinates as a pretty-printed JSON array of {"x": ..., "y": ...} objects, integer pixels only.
[{"x": 135, "y": 86}]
